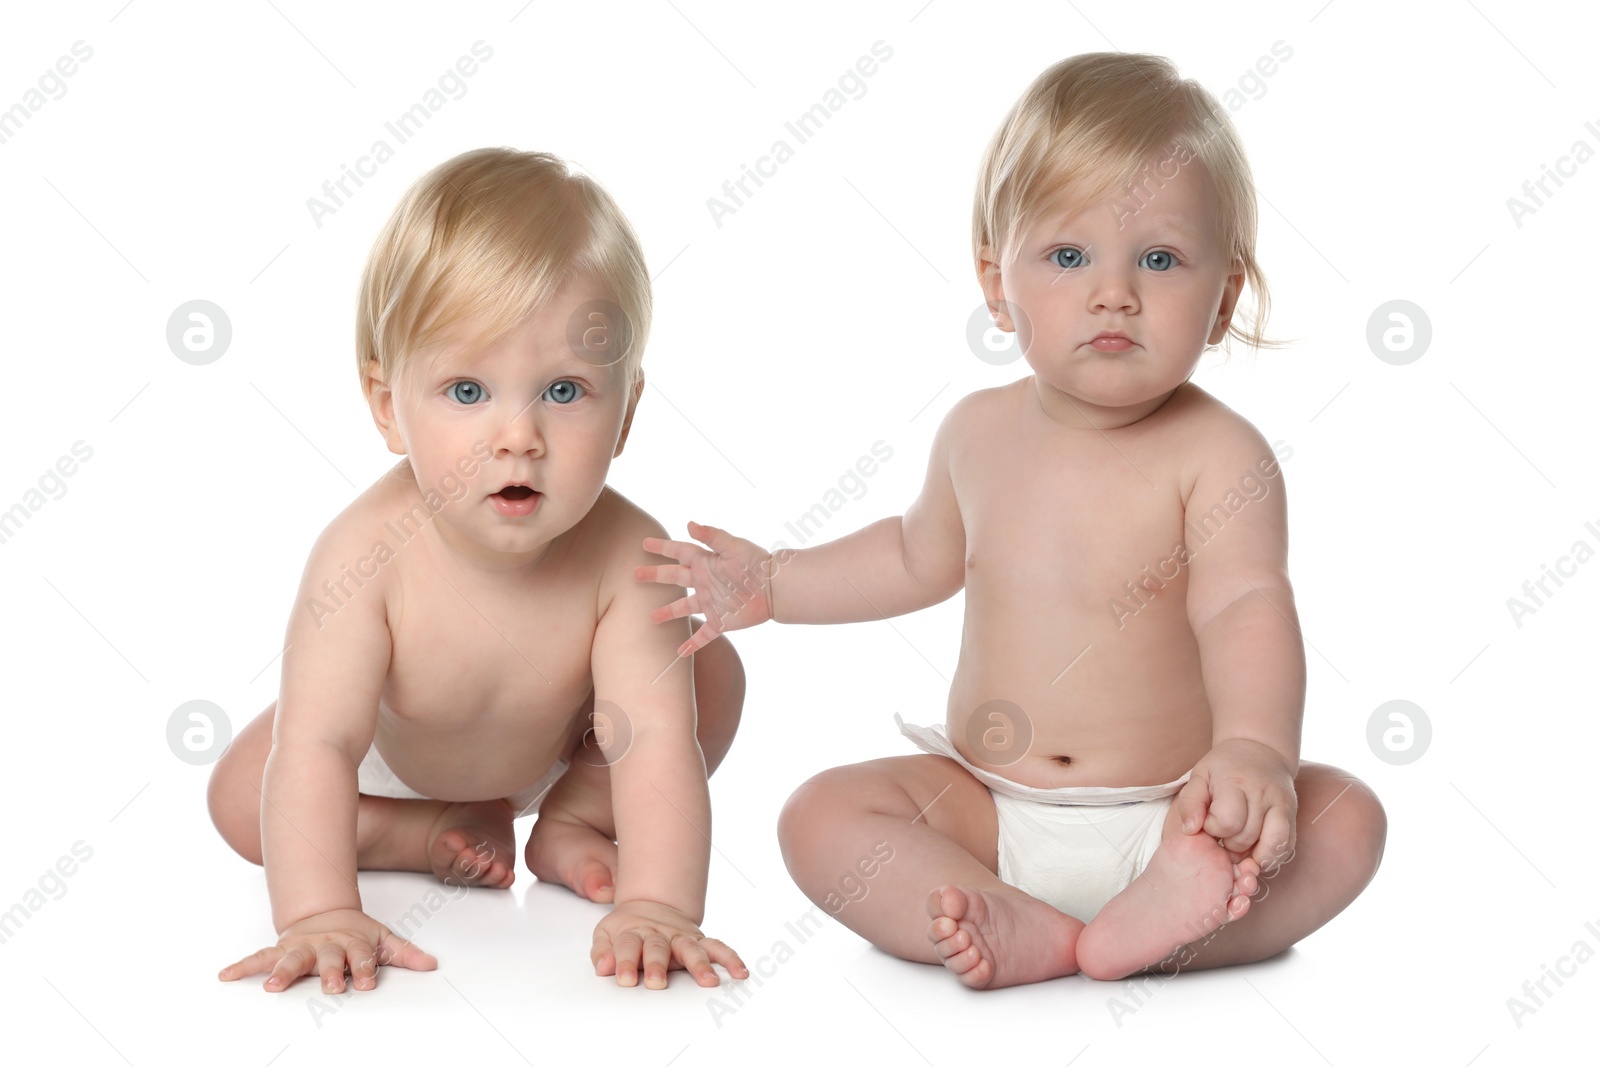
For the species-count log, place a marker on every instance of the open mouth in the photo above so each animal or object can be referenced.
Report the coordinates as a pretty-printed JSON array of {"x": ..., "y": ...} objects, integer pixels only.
[
  {"x": 515, "y": 492},
  {"x": 516, "y": 501}
]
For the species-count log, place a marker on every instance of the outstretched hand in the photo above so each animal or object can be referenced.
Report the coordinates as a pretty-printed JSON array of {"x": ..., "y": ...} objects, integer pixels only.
[
  {"x": 731, "y": 583},
  {"x": 329, "y": 944},
  {"x": 641, "y": 935}
]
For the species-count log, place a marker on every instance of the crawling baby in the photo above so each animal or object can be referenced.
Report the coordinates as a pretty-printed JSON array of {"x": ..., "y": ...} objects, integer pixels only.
[{"x": 468, "y": 644}]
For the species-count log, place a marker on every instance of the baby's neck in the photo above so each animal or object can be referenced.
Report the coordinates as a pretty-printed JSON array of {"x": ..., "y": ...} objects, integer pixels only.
[
  {"x": 1075, "y": 413},
  {"x": 465, "y": 555}
]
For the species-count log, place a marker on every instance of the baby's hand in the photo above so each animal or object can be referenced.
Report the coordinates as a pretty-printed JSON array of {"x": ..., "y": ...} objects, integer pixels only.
[
  {"x": 731, "y": 583},
  {"x": 326, "y": 943},
  {"x": 1242, "y": 794},
  {"x": 664, "y": 939}
]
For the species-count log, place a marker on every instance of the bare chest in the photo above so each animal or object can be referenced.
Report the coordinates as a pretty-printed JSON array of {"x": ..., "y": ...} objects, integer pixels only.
[
  {"x": 1071, "y": 524},
  {"x": 470, "y": 653}
]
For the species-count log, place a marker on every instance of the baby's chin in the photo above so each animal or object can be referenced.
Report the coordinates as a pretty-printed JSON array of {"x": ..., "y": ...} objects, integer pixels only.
[
  {"x": 1105, "y": 396},
  {"x": 1113, "y": 385}
]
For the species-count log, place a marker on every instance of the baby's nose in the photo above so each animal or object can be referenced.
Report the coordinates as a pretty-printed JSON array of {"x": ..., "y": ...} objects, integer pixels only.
[{"x": 520, "y": 432}]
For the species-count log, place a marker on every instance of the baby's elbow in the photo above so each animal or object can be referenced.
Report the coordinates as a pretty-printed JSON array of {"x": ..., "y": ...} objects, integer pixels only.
[{"x": 936, "y": 578}]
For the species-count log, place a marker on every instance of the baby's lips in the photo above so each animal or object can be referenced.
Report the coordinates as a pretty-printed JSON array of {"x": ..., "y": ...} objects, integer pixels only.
[{"x": 516, "y": 491}]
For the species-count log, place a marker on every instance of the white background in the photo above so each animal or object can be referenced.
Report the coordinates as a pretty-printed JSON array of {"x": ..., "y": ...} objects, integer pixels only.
[{"x": 827, "y": 313}]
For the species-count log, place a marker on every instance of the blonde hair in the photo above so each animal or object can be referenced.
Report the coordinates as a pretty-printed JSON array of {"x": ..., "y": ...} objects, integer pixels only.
[
  {"x": 488, "y": 237},
  {"x": 1092, "y": 122}
]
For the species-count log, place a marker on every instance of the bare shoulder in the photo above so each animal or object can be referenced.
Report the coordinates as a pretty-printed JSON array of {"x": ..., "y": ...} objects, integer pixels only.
[
  {"x": 349, "y": 564},
  {"x": 370, "y": 518},
  {"x": 975, "y": 416},
  {"x": 1216, "y": 441},
  {"x": 982, "y": 407},
  {"x": 614, "y": 530}
]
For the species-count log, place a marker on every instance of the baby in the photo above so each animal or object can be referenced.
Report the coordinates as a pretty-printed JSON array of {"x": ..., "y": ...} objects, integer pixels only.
[
  {"x": 1118, "y": 773},
  {"x": 468, "y": 644}
]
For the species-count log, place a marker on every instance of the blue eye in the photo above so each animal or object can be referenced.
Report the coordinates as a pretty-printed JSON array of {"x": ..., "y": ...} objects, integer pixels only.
[
  {"x": 564, "y": 392},
  {"x": 1067, "y": 258},
  {"x": 1159, "y": 260},
  {"x": 466, "y": 392}
]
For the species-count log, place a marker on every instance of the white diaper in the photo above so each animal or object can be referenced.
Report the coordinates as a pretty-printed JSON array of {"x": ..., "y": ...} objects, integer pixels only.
[
  {"x": 374, "y": 778},
  {"x": 1073, "y": 847}
]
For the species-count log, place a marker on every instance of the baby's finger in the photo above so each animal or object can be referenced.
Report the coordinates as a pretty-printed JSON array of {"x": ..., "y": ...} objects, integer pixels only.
[
  {"x": 628, "y": 948},
  {"x": 295, "y": 962},
  {"x": 707, "y": 535},
  {"x": 395, "y": 951},
  {"x": 657, "y": 957},
  {"x": 683, "y": 606},
  {"x": 330, "y": 965},
  {"x": 1194, "y": 800},
  {"x": 700, "y": 638},
  {"x": 664, "y": 573},
  {"x": 682, "y": 551},
  {"x": 1227, "y": 813},
  {"x": 721, "y": 953},
  {"x": 1276, "y": 846},
  {"x": 363, "y": 963},
  {"x": 695, "y": 960},
  {"x": 603, "y": 955},
  {"x": 1244, "y": 839},
  {"x": 254, "y": 963}
]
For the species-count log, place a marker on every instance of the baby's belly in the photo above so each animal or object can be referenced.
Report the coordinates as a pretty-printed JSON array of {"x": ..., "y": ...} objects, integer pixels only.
[
  {"x": 455, "y": 756},
  {"x": 1056, "y": 701}
]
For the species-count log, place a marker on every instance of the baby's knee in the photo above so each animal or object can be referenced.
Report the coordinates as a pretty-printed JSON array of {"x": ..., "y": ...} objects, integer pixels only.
[
  {"x": 235, "y": 808},
  {"x": 1371, "y": 826},
  {"x": 1359, "y": 825},
  {"x": 813, "y": 808},
  {"x": 719, "y": 686}
]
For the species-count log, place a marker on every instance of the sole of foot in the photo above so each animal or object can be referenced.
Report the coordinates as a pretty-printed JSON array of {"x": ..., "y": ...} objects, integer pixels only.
[
  {"x": 1191, "y": 888},
  {"x": 990, "y": 939},
  {"x": 473, "y": 844}
]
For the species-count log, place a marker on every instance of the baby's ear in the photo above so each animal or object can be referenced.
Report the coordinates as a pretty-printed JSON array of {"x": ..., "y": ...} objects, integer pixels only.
[
  {"x": 993, "y": 290},
  {"x": 1231, "y": 288},
  {"x": 380, "y": 398},
  {"x": 627, "y": 420}
]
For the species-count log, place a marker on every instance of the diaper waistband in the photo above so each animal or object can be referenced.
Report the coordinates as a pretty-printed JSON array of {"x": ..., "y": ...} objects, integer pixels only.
[{"x": 933, "y": 739}]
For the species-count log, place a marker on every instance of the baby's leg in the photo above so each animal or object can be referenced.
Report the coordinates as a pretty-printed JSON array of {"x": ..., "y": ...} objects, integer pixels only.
[
  {"x": 574, "y": 840},
  {"x": 1192, "y": 907},
  {"x": 885, "y": 845},
  {"x": 1339, "y": 836},
  {"x": 461, "y": 843}
]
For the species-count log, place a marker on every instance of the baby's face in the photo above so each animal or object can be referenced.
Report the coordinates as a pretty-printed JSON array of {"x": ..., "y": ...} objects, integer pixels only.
[
  {"x": 527, "y": 412},
  {"x": 1155, "y": 273}
]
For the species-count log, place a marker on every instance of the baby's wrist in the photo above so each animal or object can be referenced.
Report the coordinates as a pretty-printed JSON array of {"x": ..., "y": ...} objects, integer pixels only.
[
  {"x": 659, "y": 901},
  {"x": 770, "y": 567}
]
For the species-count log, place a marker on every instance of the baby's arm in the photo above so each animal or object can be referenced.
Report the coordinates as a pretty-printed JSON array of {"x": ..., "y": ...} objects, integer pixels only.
[
  {"x": 658, "y": 792},
  {"x": 894, "y": 566},
  {"x": 1241, "y": 607},
  {"x": 333, "y": 672}
]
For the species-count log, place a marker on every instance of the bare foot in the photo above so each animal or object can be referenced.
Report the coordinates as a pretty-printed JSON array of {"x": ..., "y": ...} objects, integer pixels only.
[
  {"x": 473, "y": 844},
  {"x": 1190, "y": 889},
  {"x": 995, "y": 939},
  {"x": 576, "y": 856}
]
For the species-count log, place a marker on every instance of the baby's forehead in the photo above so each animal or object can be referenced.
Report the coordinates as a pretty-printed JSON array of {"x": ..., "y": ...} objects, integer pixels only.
[
  {"x": 1175, "y": 199},
  {"x": 533, "y": 346}
]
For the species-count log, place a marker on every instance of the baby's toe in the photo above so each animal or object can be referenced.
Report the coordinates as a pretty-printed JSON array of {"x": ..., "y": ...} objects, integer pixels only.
[
  {"x": 594, "y": 881},
  {"x": 957, "y": 942},
  {"x": 947, "y": 901}
]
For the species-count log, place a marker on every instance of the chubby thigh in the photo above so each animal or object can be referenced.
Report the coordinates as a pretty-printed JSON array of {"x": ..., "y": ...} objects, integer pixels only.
[{"x": 868, "y": 841}]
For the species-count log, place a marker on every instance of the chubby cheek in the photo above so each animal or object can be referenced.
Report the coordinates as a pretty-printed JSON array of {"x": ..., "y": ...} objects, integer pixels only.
[{"x": 585, "y": 458}]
